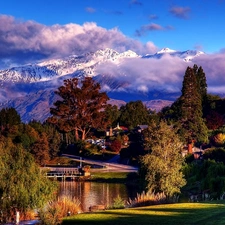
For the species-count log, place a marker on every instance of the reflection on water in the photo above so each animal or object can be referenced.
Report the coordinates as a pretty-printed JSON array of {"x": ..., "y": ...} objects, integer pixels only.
[{"x": 92, "y": 193}]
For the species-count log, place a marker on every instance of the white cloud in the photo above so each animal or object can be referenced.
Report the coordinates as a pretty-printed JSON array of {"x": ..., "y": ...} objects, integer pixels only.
[
  {"x": 22, "y": 42},
  {"x": 166, "y": 73},
  {"x": 214, "y": 68},
  {"x": 148, "y": 74}
]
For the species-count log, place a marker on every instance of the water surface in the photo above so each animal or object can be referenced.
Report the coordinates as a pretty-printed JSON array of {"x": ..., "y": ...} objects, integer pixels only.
[{"x": 94, "y": 193}]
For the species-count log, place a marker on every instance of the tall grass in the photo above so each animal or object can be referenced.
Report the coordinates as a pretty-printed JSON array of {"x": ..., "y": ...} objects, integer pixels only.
[
  {"x": 54, "y": 211},
  {"x": 150, "y": 198}
]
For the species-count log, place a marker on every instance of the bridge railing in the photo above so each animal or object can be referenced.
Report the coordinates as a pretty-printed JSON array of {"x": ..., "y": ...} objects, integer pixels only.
[{"x": 62, "y": 170}]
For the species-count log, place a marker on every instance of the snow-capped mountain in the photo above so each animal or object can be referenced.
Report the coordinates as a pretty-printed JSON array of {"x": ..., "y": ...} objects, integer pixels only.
[
  {"x": 83, "y": 65},
  {"x": 30, "y": 88},
  {"x": 80, "y": 65},
  {"x": 185, "y": 55}
]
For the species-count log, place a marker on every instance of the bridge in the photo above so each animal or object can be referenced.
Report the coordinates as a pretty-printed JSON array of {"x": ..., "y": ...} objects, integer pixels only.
[
  {"x": 63, "y": 173},
  {"x": 74, "y": 173}
]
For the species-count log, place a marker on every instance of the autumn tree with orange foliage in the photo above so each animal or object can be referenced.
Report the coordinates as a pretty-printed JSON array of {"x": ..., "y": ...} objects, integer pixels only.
[{"x": 80, "y": 107}]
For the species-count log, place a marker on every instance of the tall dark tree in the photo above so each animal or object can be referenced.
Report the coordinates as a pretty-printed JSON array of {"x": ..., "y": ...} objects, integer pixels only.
[
  {"x": 202, "y": 86},
  {"x": 173, "y": 113},
  {"x": 191, "y": 119},
  {"x": 80, "y": 108},
  {"x": 201, "y": 79}
]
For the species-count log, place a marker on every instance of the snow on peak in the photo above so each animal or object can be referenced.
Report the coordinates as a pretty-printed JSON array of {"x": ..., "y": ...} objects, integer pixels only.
[
  {"x": 129, "y": 53},
  {"x": 106, "y": 53},
  {"x": 165, "y": 50},
  {"x": 83, "y": 65}
]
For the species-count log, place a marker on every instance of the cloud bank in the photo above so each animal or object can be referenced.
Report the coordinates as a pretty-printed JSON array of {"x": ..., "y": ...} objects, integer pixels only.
[
  {"x": 165, "y": 74},
  {"x": 26, "y": 41},
  {"x": 147, "y": 74},
  {"x": 214, "y": 68}
]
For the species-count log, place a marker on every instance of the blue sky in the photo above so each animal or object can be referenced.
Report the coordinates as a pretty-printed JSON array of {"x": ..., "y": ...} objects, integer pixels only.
[
  {"x": 35, "y": 30},
  {"x": 177, "y": 24}
]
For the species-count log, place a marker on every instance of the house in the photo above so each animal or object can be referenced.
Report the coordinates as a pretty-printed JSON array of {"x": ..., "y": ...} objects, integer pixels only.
[
  {"x": 140, "y": 128},
  {"x": 118, "y": 129}
]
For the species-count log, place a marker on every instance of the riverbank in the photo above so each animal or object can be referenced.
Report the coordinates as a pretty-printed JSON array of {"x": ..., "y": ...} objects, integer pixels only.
[
  {"x": 209, "y": 213},
  {"x": 114, "y": 177},
  {"x": 26, "y": 222}
]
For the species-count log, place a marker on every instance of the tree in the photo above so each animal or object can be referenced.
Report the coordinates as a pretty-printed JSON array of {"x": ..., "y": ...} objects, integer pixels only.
[
  {"x": 133, "y": 114},
  {"x": 164, "y": 162},
  {"x": 52, "y": 134},
  {"x": 214, "y": 120},
  {"x": 116, "y": 145},
  {"x": 202, "y": 84},
  {"x": 22, "y": 185},
  {"x": 40, "y": 149},
  {"x": 54, "y": 141},
  {"x": 79, "y": 108},
  {"x": 187, "y": 111},
  {"x": 191, "y": 119},
  {"x": 26, "y": 135},
  {"x": 8, "y": 118},
  {"x": 112, "y": 114}
]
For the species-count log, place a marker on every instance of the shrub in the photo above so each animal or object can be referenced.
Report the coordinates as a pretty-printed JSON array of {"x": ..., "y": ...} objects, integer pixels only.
[
  {"x": 116, "y": 146},
  {"x": 219, "y": 139},
  {"x": 217, "y": 154},
  {"x": 53, "y": 213},
  {"x": 118, "y": 203}
]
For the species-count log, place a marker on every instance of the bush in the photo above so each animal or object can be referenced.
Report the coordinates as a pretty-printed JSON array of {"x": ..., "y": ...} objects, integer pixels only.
[
  {"x": 53, "y": 213},
  {"x": 219, "y": 139},
  {"x": 217, "y": 154},
  {"x": 116, "y": 146},
  {"x": 118, "y": 203}
]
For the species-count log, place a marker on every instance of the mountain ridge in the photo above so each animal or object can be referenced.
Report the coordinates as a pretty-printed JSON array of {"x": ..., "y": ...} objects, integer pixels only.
[
  {"x": 34, "y": 84},
  {"x": 47, "y": 69}
]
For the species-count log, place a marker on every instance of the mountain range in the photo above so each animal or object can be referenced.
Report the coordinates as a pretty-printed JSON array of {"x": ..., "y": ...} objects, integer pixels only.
[{"x": 30, "y": 88}]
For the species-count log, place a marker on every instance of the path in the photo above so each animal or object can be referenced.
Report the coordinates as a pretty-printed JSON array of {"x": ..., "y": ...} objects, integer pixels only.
[{"x": 110, "y": 166}]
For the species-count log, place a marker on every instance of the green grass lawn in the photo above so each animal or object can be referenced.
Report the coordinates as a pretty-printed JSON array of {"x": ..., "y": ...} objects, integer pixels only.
[{"x": 212, "y": 213}]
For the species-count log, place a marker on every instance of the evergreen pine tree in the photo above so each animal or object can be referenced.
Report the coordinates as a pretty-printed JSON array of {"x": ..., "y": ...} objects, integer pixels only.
[
  {"x": 192, "y": 122},
  {"x": 202, "y": 84},
  {"x": 201, "y": 78}
]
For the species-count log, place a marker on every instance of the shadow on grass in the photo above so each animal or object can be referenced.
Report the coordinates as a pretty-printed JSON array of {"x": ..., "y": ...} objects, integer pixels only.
[{"x": 171, "y": 214}]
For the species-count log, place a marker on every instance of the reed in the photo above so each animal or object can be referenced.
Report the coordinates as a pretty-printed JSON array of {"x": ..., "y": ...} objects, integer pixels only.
[
  {"x": 54, "y": 211},
  {"x": 146, "y": 199}
]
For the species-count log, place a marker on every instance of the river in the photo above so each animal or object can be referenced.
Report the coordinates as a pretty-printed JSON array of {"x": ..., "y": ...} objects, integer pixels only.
[{"x": 94, "y": 193}]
